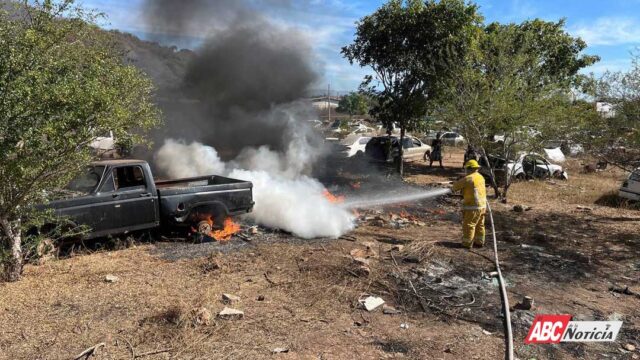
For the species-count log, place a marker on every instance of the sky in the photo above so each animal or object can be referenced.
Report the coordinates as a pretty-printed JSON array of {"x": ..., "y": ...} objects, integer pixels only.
[{"x": 611, "y": 29}]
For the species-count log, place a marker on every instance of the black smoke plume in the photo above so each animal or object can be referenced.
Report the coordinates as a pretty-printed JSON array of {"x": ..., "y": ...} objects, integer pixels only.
[{"x": 241, "y": 87}]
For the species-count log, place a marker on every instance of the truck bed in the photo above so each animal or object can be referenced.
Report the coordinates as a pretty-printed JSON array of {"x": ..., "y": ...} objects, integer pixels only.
[
  {"x": 179, "y": 185},
  {"x": 179, "y": 197}
]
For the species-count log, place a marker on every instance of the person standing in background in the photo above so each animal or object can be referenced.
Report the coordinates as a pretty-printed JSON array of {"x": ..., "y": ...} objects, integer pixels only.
[{"x": 436, "y": 150}]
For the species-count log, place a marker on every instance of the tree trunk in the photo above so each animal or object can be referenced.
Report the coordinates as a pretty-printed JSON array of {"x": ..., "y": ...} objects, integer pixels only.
[
  {"x": 13, "y": 242},
  {"x": 401, "y": 164},
  {"x": 494, "y": 183}
]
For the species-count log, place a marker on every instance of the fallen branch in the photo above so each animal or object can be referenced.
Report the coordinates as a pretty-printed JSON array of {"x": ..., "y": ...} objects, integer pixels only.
[
  {"x": 154, "y": 352},
  {"x": 89, "y": 352}
]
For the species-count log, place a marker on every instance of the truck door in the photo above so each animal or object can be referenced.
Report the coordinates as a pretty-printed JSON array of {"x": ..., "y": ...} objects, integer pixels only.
[{"x": 135, "y": 204}]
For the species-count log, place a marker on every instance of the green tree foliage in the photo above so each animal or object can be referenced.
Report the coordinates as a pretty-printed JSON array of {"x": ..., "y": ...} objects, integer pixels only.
[
  {"x": 354, "y": 104},
  {"x": 615, "y": 136},
  {"x": 411, "y": 46},
  {"x": 62, "y": 83},
  {"x": 517, "y": 83}
]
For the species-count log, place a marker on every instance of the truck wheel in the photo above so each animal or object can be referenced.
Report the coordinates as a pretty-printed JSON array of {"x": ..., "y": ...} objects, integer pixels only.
[{"x": 204, "y": 227}]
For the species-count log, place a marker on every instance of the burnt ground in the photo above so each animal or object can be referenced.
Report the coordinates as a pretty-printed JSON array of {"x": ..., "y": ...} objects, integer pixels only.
[{"x": 302, "y": 295}]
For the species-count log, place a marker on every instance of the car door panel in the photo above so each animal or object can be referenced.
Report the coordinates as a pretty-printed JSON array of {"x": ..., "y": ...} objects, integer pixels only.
[{"x": 134, "y": 204}]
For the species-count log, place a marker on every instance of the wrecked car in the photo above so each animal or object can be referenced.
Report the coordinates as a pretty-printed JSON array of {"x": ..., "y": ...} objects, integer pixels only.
[
  {"x": 118, "y": 196},
  {"x": 630, "y": 188},
  {"x": 386, "y": 149},
  {"x": 526, "y": 166},
  {"x": 355, "y": 144}
]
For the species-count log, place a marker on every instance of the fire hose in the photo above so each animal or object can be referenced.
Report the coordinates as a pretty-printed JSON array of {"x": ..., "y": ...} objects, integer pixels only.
[{"x": 503, "y": 293}]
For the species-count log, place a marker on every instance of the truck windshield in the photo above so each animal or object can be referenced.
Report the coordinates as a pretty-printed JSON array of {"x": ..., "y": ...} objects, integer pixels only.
[{"x": 87, "y": 181}]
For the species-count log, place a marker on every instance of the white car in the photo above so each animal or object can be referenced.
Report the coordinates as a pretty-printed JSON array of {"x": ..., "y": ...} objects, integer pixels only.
[
  {"x": 355, "y": 144},
  {"x": 532, "y": 165},
  {"x": 526, "y": 166},
  {"x": 631, "y": 187},
  {"x": 103, "y": 143},
  {"x": 449, "y": 138}
]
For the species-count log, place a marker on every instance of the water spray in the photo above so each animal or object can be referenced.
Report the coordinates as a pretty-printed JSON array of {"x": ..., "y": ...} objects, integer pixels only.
[{"x": 354, "y": 203}]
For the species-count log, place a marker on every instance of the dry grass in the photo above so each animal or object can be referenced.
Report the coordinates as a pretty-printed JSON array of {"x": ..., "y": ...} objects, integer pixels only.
[
  {"x": 309, "y": 306},
  {"x": 301, "y": 295},
  {"x": 581, "y": 188}
]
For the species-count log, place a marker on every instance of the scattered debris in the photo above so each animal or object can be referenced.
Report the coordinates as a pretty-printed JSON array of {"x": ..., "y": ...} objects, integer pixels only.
[
  {"x": 390, "y": 310},
  {"x": 624, "y": 291},
  {"x": 397, "y": 248},
  {"x": 394, "y": 241},
  {"x": 615, "y": 317},
  {"x": 404, "y": 326},
  {"x": 211, "y": 264},
  {"x": 280, "y": 350},
  {"x": 202, "y": 316},
  {"x": 584, "y": 208},
  {"x": 230, "y": 298},
  {"x": 260, "y": 298},
  {"x": 526, "y": 304},
  {"x": 364, "y": 253},
  {"x": 521, "y": 208},
  {"x": 411, "y": 259},
  {"x": 230, "y": 314},
  {"x": 511, "y": 236},
  {"x": 89, "y": 352},
  {"x": 532, "y": 247},
  {"x": 111, "y": 278},
  {"x": 629, "y": 347},
  {"x": 392, "y": 220},
  {"x": 486, "y": 332},
  {"x": 371, "y": 303}
]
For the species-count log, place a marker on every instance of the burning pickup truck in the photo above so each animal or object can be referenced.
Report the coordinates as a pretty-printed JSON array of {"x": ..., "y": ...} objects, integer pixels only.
[{"x": 118, "y": 196}]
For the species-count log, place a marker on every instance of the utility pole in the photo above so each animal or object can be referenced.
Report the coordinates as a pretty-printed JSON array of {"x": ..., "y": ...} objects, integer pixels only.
[{"x": 329, "y": 101}]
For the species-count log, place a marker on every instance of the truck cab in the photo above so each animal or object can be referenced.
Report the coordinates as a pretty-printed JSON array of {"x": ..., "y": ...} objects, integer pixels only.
[{"x": 111, "y": 197}]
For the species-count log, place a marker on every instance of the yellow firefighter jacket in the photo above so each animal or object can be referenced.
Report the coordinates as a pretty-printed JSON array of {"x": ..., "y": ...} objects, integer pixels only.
[{"x": 474, "y": 191}]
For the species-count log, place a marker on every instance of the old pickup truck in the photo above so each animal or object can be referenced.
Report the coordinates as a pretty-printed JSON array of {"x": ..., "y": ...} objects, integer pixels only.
[{"x": 118, "y": 196}]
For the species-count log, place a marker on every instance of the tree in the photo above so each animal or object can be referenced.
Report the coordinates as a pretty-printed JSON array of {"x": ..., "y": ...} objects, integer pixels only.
[
  {"x": 516, "y": 83},
  {"x": 615, "y": 136},
  {"x": 63, "y": 82},
  {"x": 411, "y": 46},
  {"x": 354, "y": 103}
]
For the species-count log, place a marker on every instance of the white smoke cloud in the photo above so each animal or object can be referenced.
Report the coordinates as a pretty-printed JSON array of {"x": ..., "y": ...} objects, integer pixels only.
[
  {"x": 295, "y": 205},
  {"x": 178, "y": 159},
  {"x": 284, "y": 197}
]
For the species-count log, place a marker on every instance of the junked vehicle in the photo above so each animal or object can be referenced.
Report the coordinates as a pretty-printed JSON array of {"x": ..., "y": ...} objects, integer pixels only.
[
  {"x": 526, "y": 166},
  {"x": 386, "y": 149},
  {"x": 119, "y": 196},
  {"x": 630, "y": 188},
  {"x": 355, "y": 144},
  {"x": 449, "y": 138}
]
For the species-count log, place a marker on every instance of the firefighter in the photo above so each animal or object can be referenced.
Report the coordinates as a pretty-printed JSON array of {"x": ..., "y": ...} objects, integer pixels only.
[{"x": 473, "y": 206}]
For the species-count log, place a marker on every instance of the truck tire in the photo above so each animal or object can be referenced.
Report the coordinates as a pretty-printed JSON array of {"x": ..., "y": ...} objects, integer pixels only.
[{"x": 204, "y": 227}]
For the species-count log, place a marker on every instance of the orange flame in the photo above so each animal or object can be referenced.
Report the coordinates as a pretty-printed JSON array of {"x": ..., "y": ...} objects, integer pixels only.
[
  {"x": 332, "y": 198},
  {"x": 230, "y": 228}
]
